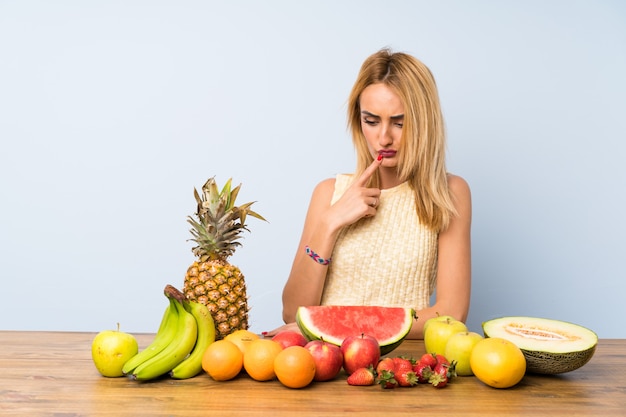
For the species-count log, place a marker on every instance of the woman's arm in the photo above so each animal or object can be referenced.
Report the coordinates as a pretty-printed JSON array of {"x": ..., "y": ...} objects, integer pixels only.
[
  {"x": 306, "y": 279},
  {"x": 321, "y": 227},
  {"x": 453, "y": 262}
]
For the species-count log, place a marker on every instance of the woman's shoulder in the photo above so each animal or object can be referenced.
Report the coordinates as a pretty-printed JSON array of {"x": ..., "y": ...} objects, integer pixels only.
[
  {"x": 327, "y": 190},
  {"x": 458, "y": 186},
  {"x": 461, "y": 194},
  {"x": 325, "y": 186},
  {"x": 328, "y": 185}
]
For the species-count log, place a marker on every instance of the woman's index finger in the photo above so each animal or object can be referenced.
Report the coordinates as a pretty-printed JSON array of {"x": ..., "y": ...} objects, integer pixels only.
[{"x": 367, "y": 174}]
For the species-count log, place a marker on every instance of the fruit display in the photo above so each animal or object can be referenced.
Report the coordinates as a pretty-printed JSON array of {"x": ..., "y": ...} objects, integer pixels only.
[
  {"x": 204, "y": 328},
  {"x": 389, "y": 325},
  {"x": 216, "y": 228},
  {"x": 110, "y": 349},
  {"x": 185, "y": 345},
  {"x": 549, "y": 346},
  {"x": 186, "y": 330}
]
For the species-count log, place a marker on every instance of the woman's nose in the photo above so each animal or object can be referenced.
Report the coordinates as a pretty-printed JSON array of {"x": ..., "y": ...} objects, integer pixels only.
[{"x": 385, "y": 138}]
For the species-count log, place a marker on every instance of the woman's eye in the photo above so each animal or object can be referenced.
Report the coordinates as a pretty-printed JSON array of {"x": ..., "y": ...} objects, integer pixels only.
[
  {"x": 399, "y": 125},
  {"x": 370, "y": 122}
]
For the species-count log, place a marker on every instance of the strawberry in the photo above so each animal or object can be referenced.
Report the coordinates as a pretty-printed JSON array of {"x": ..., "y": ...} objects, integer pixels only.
[
  {"x": 442, "y": 373},
  {"x": 387, "y": 379},
  {"x": 385, "y": 364},
  {"x": 423, "y": 371},
  {"x": 438, "y": 380},
  {"x": 406, "y": 377},
  {"x": 401, "y": 363},
  {"x": 441, "y": 359},
  {"x": 428, "y": 359},
  {"x": 362, "y": 376}
]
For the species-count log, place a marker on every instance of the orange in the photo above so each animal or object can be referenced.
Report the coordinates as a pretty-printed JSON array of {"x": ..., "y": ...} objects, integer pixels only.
[
  {"x": 222, "y": 360},
  {"x": 242, "y": 338},
  {"x": 295, "y": 367},
  {"x": 258, "y": 361},
  {"x": 498, "y": 362}
]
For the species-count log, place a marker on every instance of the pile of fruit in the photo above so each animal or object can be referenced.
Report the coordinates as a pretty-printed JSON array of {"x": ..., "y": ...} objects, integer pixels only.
[
  {"x": 283, "y": 358},
  {"x": 296, "y": 362},
  {"x": 494, "y": 361},
  {"x": 213, "y": 302},
  {"x": 185, "y": 331},
  {"x": 398, "y": 371},
  {"x": 185, "y": 345},
  {"x": 205, "y": 327}
]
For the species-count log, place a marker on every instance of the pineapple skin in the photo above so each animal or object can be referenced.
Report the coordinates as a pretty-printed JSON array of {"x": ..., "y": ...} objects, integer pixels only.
[{"x": 222, "y": 288}]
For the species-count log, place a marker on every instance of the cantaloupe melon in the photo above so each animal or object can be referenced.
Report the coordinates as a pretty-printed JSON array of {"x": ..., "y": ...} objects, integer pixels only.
[
  {"x": 550, "y": 346},
  {"x": 389, "y": 325}
]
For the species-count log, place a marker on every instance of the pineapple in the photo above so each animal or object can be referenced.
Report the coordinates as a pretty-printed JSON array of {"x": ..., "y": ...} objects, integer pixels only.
[{"x": 211, "y": 280}]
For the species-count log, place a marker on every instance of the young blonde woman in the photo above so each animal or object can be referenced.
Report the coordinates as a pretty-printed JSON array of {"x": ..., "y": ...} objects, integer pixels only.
[{"x": 399, "y": 227}]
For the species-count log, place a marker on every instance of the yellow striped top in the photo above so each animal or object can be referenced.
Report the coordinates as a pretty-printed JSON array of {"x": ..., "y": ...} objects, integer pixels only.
[{"x": 386, "y": 260}]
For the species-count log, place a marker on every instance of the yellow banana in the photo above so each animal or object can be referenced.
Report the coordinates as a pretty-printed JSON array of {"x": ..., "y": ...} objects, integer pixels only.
[
  {"x": 164, "y": 336},
  {"x": 192, "y": 365},
  {"x": 175, "y": 352}
]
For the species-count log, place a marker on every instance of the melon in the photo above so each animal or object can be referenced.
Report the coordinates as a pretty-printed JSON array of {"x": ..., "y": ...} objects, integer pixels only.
[
  {"x": 550, "y": 346},
  {"x": 389, "y": 325}
]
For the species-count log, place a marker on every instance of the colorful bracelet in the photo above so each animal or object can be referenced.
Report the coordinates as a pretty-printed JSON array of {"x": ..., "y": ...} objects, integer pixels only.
[{"x": 316, "y": 257}]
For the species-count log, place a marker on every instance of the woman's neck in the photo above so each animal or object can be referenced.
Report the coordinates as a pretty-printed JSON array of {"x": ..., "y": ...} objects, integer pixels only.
[{"x": 388, "y": 178}]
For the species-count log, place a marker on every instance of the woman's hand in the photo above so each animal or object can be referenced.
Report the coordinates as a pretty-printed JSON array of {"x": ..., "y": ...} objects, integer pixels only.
[
  {"x": 290, "y": 326},
  {"x": 358, "y": 201}
]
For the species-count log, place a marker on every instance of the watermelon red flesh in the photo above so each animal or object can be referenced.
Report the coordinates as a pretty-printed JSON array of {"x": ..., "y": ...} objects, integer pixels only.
[{"x": 389, "y": 325}]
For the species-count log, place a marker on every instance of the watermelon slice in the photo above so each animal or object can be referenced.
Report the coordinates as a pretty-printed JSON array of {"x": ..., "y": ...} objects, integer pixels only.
[{"x": 389, "y": 325}]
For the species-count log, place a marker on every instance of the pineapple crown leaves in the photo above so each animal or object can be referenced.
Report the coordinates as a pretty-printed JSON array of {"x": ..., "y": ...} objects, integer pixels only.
[{"x": 218, "y": 223}]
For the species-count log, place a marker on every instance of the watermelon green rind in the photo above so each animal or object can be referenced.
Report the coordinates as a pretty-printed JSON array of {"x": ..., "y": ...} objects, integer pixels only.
[
  {"x": 571, "y": 346},
  {"x": 389, "y": 325}
]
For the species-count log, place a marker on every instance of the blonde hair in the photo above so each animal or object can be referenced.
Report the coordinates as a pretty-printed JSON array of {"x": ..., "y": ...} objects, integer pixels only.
[{"x": 422, "y": 152}]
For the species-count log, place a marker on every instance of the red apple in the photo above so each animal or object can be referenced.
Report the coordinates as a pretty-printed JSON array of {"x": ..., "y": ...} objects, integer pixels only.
[
  {"x": 359, "y": 352},
  {"x": 288, "y": 338},
  {"x": 328, "y": 359}
]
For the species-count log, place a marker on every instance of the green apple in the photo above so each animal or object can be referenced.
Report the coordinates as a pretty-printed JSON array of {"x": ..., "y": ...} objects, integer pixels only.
[
  {"x": 435, "y": 319},
  {"x": 438, "y": 330},
  {"x": 459, "y": 348},
  {"x": 111, "y": 349}
]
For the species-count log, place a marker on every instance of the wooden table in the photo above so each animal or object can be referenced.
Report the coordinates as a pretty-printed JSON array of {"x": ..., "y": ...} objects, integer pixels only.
[{"x": 51, "y": 373}]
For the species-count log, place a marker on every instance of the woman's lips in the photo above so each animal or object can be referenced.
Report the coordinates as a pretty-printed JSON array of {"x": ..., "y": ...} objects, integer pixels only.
[{"x": 387, "y": 153}]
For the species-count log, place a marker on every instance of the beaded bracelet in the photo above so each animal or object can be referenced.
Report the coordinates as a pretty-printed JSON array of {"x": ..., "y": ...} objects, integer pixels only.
[{"x": 316, "y": 257}]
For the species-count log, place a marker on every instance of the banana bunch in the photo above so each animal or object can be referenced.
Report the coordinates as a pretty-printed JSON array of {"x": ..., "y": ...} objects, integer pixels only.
[{"x": 186, "y": 330}]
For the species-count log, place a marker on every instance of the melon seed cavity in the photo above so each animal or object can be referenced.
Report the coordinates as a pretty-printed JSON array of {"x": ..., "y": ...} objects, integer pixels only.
[{"x": 538, "y": 333}]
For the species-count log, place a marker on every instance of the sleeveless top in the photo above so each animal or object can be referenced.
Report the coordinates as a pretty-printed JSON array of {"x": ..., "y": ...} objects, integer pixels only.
[{"x": 387, "y": 260}]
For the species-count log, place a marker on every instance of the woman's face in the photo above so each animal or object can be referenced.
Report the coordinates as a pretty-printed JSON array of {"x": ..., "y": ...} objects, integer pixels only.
[{"x": 382, "y": 117}]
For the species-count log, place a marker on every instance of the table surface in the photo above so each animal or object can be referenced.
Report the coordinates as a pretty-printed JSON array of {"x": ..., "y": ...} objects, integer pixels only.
[{"x": 51, "y": 373}]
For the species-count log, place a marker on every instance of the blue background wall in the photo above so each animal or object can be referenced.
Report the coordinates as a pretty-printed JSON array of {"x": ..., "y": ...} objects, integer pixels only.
[{"x": 111, "y": 112}]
